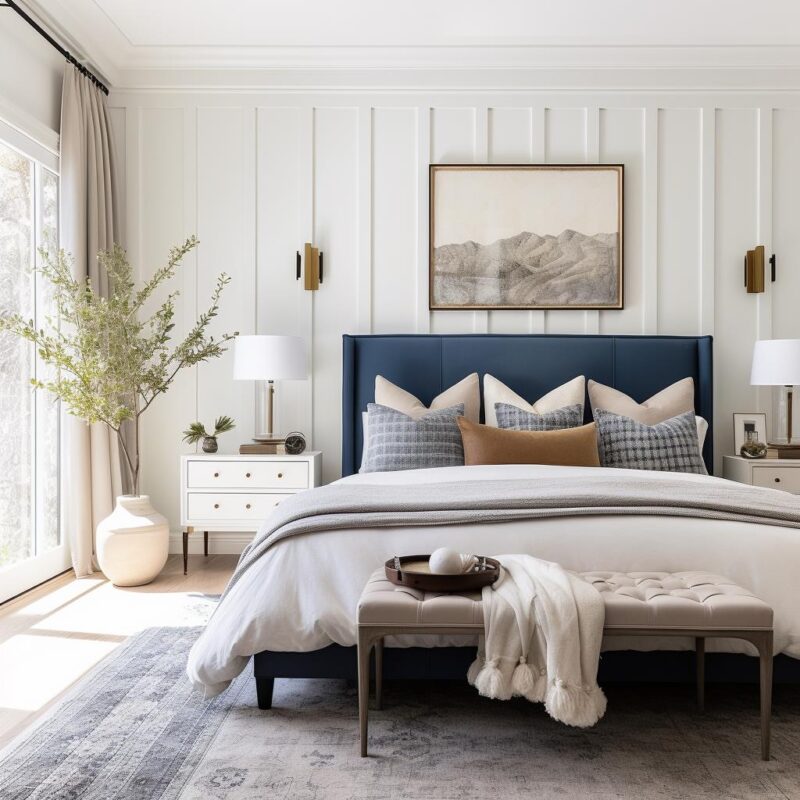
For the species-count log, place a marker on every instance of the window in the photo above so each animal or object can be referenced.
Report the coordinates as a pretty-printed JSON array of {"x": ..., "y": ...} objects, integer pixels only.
[{"x": 31, "y": 547}]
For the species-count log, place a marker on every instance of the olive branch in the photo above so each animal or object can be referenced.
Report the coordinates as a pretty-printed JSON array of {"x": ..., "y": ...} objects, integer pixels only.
[{"x": 108, "y": 359}]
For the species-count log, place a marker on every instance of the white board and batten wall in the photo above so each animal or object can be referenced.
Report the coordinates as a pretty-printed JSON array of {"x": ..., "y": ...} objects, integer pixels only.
[{"x": 256, "y": 173}]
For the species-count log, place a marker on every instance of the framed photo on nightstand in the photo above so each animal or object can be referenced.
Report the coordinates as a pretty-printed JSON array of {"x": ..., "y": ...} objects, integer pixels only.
[{"x": 748, "y": 421}]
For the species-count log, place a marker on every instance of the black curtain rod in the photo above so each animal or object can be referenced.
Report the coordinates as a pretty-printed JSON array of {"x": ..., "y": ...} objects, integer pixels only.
[{"x": 64, "y": 52}]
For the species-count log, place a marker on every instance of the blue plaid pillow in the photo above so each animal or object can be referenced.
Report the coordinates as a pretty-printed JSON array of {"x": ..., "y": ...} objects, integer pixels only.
[
  {"x": 669, "y": 446},
  {"x": 517, "y": 419},
  {"x": 396, "y": 441}
]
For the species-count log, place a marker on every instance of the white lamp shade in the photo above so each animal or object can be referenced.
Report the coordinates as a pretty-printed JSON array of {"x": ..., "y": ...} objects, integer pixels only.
[
  {"x": 269, "y": 358},
  {"x": 776, "y": 362}
]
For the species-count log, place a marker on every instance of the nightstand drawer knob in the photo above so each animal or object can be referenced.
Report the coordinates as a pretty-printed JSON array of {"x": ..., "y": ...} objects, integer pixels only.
[
  {"x": 216, "y": 474},
  {"x": 248, "y": 505},
  {"x": 247, "y": 474},
  {"x": 216, "y": 505},
  {"x": 280, "y": 474},
  {"x": 777, "y": 480}
]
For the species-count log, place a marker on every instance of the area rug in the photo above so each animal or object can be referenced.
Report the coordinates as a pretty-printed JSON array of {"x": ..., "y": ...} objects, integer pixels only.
[{"x": 134, "y": 729}]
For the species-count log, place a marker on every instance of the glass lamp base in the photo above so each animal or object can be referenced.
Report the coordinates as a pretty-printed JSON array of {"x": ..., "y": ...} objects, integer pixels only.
[{"x": 784, "y": 433}]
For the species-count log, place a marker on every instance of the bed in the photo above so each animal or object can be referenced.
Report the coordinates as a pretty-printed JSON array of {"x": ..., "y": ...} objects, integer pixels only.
[{"x": 295, "y": 613}]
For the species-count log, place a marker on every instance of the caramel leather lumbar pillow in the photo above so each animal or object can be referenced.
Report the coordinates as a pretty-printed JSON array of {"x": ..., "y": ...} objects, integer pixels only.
[
  {"x": 670, "y": 402},
  {"x": 570, "y": 447}
]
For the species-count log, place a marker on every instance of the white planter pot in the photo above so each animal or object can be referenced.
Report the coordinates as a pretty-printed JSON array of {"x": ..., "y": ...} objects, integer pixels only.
[{"x": 132, "y": 542}]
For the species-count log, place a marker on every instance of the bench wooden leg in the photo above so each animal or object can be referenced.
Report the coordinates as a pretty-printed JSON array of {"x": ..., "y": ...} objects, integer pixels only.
[
  {"x": 379, "y": 674},
  {"x": 700, "y": 659},
  {"x": 765, "y": 658},
  {"x": 365, "y": 639},
  {"x": 205, "y": 543}
]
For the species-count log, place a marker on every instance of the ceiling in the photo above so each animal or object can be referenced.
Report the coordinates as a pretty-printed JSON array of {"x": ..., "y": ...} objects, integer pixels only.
[{"x": 194, "y": 34}]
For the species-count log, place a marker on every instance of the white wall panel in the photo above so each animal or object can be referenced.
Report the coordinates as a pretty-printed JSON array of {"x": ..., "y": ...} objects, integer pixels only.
[
  {"x": 510, "y": 135},
  {"x": 785, "y": 238},
  {"x": 679, "y": 220},
  {"x": 118, "y": 127},
  {"x": 279, "y": 294},
  {"x": 160, "y": 175},
  {"x": 735, "y": 311},
  {"x": 335, "y": 304},
  {"x": 622, "y": 142},
  {"x": 565, "y": 143},
  {"x": 453, "y": 141},
  {"x": 394, "y": 220},
  {"x": 510, "y": 142},
  {"x": 257, "y": 175},
  {"x": 786, "y": 223},
  {"x": 226, "y": 179}
]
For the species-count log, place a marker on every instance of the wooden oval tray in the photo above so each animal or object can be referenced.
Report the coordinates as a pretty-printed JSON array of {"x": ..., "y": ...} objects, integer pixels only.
[{"x": 415, "y": 573}]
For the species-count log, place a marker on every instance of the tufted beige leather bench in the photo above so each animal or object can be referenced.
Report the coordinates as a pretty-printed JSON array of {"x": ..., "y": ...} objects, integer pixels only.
[{"x": 696, "y": 604}]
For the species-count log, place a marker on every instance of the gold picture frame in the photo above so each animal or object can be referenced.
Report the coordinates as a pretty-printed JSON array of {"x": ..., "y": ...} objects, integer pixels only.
[{"x": 483, "y": 253}]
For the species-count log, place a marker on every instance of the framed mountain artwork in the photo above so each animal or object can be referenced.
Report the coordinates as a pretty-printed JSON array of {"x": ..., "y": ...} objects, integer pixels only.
[{"x": 526, "y": 236}]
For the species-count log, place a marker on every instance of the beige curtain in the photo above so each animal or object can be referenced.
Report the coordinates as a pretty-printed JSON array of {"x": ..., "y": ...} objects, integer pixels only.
[{"x": 89, "y": 222}]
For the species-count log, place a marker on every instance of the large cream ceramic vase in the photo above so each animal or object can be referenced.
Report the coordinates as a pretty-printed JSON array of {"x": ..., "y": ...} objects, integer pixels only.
[{"x": 132, "y": 542}]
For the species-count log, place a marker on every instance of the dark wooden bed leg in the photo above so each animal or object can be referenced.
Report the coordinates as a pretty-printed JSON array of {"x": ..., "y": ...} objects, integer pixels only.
[
  {"x": 205, "y": 543},
  {"x": 264, "y": 687},
  {"x": 700, "y": 657},
  {"x": 185, "y": 551}
]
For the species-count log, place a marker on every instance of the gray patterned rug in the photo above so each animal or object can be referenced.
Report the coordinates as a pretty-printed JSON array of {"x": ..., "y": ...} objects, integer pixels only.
[{"x": 135, "y": 730}]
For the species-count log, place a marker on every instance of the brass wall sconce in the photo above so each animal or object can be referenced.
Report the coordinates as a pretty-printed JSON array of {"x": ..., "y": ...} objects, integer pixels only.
[
  {"x": 754, "y": 270},
  {"x": 312, "y": 257}
]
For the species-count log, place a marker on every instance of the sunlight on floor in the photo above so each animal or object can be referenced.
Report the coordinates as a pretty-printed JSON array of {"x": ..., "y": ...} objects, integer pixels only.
[
  {"x": 36, "y": 669},
  {"x": 121, "y": 612},
  {"x": 60, "y": 597}
]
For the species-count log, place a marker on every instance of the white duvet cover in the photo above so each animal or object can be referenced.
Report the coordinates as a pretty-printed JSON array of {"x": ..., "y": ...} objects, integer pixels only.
[{"x": 302, "y": 594}]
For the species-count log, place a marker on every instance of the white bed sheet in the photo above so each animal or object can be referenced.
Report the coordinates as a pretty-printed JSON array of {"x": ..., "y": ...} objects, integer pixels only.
[{"x": 302, "y": 594}]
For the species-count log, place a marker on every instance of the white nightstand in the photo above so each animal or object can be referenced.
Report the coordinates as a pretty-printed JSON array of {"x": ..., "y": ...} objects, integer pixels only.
[
  {"x": 774, "y": 473},
  {"x": 237, "y": 493}
]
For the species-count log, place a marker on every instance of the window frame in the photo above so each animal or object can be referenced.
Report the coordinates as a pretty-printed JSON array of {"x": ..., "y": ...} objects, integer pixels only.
[{"x": 23, "y": 575}]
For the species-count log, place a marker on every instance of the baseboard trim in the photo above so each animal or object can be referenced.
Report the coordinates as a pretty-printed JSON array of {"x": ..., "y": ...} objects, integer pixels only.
[{"x": 219, "y": 542}]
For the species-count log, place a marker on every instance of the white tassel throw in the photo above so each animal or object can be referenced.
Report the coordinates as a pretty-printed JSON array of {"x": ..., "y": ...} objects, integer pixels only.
[{"x": 543, "y": 628}]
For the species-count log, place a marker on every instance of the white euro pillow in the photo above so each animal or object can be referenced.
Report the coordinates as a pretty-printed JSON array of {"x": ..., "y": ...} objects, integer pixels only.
[
  {"x": 494, "y": 391},
  {"x": 466, "y": 392}
]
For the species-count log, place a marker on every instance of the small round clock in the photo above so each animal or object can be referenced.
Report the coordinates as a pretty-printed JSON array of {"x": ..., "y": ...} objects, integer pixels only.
[{"x": 295, "y": 443}]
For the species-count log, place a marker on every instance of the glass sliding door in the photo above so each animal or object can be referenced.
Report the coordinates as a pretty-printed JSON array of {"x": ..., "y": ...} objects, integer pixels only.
[{"x": 31, "y": 545}]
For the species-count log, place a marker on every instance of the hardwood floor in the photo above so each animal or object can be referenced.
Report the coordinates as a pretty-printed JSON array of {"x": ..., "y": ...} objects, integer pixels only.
[{"x": 53, "y": 635}]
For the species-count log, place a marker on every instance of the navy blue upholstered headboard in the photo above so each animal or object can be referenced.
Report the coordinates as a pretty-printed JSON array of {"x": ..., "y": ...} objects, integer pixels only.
[{"x": 530, "y": 364}]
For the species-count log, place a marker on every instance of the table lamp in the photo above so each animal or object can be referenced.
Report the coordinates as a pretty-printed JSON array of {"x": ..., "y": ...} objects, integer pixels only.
[
  {"x": 267, "y": 359},
  {"x": 776, "y": 362}
]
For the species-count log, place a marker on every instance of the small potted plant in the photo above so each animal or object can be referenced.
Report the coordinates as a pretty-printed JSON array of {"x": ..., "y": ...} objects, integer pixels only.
[{"x": 197, "y": 431}]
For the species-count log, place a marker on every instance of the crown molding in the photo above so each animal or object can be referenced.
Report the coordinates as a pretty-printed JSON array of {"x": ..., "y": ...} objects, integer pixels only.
[
  {"x": 132, "y": 57},
  {"x": 415, "y": 68},
  {"x": 128, "y": 67},
  {"x": 454, "y": 79}
]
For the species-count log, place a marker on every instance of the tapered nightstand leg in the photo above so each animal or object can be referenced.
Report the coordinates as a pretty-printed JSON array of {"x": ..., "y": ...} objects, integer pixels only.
[
  {"x": 205, "y": 543},
  {"x": 186, "y": 532}
]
